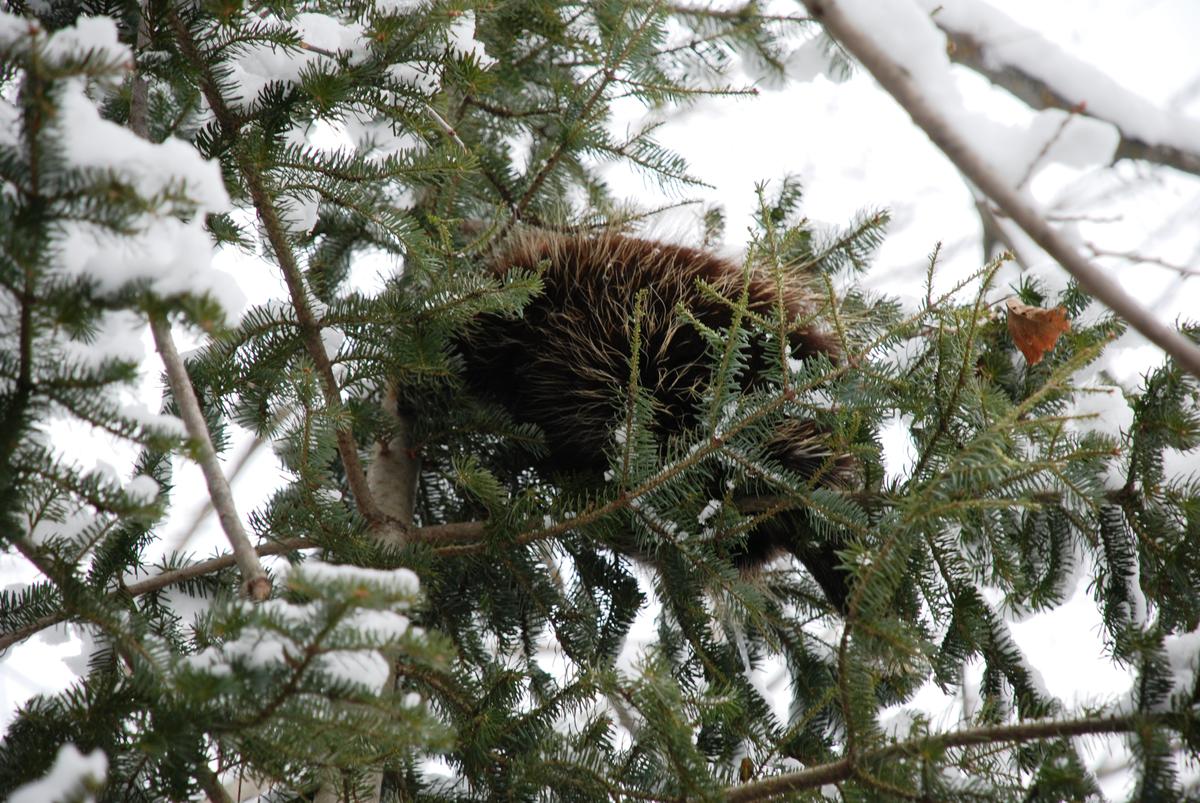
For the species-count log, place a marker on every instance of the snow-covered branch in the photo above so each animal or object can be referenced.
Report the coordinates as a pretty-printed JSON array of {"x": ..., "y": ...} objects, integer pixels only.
[
  {"x": 842, "y": 769},
  {"x": 1044, "y": 76},
  {"x": 901, "y": 52}
]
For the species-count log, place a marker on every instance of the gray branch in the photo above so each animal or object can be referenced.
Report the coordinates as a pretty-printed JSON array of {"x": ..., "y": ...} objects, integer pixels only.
[{"x": 255, "y": 583}]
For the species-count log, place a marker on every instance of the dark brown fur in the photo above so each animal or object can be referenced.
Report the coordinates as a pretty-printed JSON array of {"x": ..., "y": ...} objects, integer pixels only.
[{"x": 564, "y": 365}]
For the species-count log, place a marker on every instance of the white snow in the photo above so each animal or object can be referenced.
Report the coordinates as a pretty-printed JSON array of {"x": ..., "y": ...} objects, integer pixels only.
[
  {"x": 169, "y": 425},
  {"x": 1102, "y": 408},
  {"x": 142, "y": 488},
  {"x": 95, "y": 34},
  {"x": 911, "y": 38},
  {"x": 261, "y": 64},
  {"x": 1183, "y": 655},
  {"x": 365, "y": 668},
  {"x": 254, "y": 647},
  {"x": 381, "y": 624},
  {"x": 72, "y": 778},
  {"x": 463, "y": 41},
  {"x": 171, "y": 257},
  {"x": 400, "y": 6},
  {"x": 89, "y": 141},
  {"x": 401, "y": 581},
  {"x": 1006, "y": 43}
]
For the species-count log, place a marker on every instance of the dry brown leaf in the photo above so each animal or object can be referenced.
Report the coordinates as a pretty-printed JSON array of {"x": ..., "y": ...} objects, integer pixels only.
[{"x": 1035, "y": 330}]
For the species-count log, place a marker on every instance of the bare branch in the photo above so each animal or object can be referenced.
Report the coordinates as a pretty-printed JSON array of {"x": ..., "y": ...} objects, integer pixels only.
[
  {"x": 255, "y": 583},
  {"x": 899, "y": 83}
]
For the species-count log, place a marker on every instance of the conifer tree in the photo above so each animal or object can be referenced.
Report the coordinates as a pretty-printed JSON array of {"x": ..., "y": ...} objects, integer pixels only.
[{"x": 465, "y": 636}]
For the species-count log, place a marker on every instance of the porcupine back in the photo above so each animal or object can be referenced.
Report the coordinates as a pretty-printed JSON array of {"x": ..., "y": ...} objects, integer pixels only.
[{"x": 564, "y": 365}]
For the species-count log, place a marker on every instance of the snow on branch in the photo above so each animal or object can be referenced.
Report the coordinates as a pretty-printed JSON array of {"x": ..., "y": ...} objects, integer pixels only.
[
  {"x": 1044, "y": 76},
  {"x": 900, "y": 46}
]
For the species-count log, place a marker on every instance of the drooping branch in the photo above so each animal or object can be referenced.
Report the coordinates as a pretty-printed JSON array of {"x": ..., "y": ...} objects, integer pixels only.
[
  {"x": 447, "y": 536},
  {"x": 899, "y": 82},
  {"x": 156, "y": 583},
  {"x": 843, "y": 769}
]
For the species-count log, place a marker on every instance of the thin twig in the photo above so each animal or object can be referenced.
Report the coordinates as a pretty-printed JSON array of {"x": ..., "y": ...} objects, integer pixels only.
[
  {"x": 447, "y": 129},
  {"x": 1129, "y": 256},
  {"x": 899, "y": 83},
  {"x": 1036, "y": 161}
]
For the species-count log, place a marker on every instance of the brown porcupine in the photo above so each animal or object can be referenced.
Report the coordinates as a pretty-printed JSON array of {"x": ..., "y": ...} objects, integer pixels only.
[{"x": 564, "y": 364}]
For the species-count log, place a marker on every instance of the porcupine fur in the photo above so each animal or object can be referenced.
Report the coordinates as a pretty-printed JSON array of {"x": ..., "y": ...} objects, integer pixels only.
[{"x": 564, "y": 364}]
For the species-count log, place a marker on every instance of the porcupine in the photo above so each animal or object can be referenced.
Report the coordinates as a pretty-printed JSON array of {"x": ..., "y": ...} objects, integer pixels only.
[{"x": 564, "y": 363}]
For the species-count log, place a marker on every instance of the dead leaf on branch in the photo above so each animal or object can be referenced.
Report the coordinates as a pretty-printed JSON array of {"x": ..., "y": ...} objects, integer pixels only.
[{"x": 1035, "y": 330}]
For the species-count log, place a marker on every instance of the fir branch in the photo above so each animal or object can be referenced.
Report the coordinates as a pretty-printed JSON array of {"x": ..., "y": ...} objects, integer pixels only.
[
  {"x": 743, "y": 13},
  {"x": 607, "y": 74},
  {"x": 947, "y": 411},
  {"x": 157, "y": 583},
  {"x": 901, "y": 85},
  {"x": 310, "y": 327},
  {"x": 446, "y": 535},
  {"x": 633, "y": 389},
  {"x": 846, "y": 768}
]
